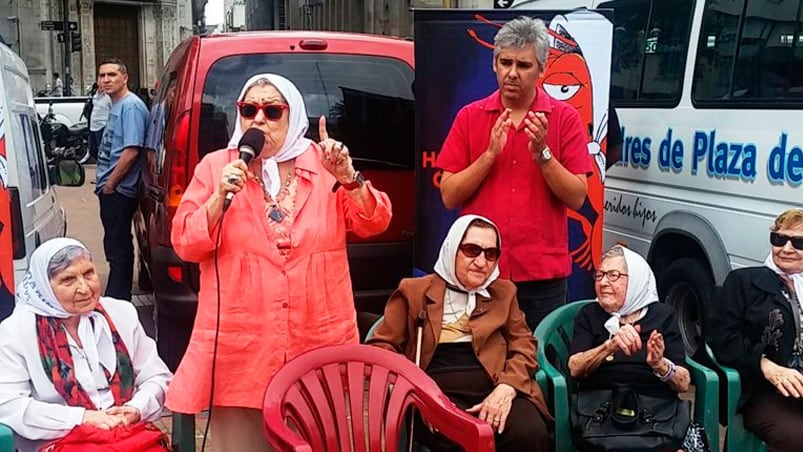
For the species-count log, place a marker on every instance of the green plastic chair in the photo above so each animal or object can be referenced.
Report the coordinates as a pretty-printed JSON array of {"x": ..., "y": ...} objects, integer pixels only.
[
  {"x": 373, "y": 328},
  {"x": 6, "y": 439},
  {"x": 183, "y": 433},
  {"x": 554, "y": 335},
  {"x": 737, "y": 438}
]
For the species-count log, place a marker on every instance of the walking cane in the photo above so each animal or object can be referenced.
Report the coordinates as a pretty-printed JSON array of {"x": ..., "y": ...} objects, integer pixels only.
[{"x": 419, "y": 330}]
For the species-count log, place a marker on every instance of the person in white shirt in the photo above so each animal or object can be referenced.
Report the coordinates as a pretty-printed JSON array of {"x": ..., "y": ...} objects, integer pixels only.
[
  {"x": 101, "y": 105},
  {"x": 58, "y": 86},
  {"x": 69, "y": 356}
]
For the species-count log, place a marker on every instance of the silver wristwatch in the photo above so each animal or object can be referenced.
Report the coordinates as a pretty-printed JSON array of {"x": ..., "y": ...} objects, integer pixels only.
[{"x": 546, "y": 154}]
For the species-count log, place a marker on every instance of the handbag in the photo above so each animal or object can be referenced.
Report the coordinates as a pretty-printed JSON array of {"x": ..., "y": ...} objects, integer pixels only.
[
  {"x": 139, "y": 437},
  {"x": 622, "y": 419}
]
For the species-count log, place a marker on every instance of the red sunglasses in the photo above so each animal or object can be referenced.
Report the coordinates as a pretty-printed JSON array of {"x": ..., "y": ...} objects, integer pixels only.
[{"x": 272, "y": 112}]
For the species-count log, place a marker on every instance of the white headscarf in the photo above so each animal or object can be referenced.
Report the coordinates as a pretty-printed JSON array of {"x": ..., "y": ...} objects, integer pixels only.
[
  {"x": 796, "y": 278},
  {"x": 35, "y": 293},
  {"x": 444, "y": 267},
  {"x": 641, "y": 289},
  {"x": 294, "y": 144}
]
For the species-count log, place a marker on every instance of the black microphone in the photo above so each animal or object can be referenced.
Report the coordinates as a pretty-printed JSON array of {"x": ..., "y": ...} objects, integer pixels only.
[{"x": 250, "y": 146}]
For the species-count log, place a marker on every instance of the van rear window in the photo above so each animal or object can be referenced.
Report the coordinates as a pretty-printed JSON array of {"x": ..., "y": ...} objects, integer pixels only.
[{"x": 367, "y": 100}]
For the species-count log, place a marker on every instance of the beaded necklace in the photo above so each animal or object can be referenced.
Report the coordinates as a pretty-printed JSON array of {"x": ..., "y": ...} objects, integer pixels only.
[{"x": 280, "y": 209}]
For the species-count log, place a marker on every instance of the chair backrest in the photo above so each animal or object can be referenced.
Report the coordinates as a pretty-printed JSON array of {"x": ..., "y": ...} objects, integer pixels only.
[
  {"x": 354, "y": 398},
  {"x": 554, "y": 335}
]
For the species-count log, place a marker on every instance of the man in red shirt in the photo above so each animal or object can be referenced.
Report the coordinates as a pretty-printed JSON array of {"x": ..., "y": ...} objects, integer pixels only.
[{"x": 520, "y": 158}]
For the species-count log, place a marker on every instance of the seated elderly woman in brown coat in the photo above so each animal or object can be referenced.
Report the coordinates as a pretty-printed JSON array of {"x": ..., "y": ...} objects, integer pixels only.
[{"x": 476, "y": 344}]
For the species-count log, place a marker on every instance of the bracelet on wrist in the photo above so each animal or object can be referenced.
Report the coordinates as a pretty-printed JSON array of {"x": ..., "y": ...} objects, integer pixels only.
[{"x": 670, "y": 372}]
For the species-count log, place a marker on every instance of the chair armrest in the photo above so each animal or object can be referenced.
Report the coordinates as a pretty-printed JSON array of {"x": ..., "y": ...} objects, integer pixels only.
[
  {"x": 706, "y": 400},
  {"x": 456, "y": 424},
  {"x": 6, "y": 439},
  {"x": 560, "y": 406}
]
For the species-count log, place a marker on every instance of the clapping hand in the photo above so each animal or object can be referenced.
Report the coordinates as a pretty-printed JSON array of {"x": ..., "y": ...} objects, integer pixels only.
[
  {"x": 655, "y": 350},
  {"x": 535, "y": 126},
  {"x": 336, "y": 158},
  {"x": 496, "y": 407},
  {"x": 628, "y": 339},
  {"x": 499, "y": 131}
]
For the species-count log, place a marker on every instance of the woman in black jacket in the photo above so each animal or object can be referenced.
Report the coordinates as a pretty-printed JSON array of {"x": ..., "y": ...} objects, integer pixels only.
[{"x": 755, "y": 327}]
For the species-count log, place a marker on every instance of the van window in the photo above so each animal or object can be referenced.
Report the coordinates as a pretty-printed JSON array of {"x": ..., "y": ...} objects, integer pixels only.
[
  {"x": 159, "y": 116},
  {"x": 33, "y": 156},
  {"x": 650, "y": 42},
  {"x": 750, "y": 51},
  {"x": 367, "y": 101}
]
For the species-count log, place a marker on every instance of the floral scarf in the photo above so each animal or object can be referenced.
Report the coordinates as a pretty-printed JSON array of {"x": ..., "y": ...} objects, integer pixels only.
[{"x": 57, "y": 361}]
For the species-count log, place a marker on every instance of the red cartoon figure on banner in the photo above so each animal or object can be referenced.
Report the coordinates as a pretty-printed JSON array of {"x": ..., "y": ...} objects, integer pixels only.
[{"x": 570, "y": 76}]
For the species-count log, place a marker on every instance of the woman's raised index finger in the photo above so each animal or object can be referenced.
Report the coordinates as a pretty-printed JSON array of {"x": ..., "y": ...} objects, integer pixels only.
[{"x": 322, "y": 133}]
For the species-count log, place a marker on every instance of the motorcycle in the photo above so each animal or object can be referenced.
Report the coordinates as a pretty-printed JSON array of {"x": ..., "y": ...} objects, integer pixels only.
[{"x": 63, "y": 141}]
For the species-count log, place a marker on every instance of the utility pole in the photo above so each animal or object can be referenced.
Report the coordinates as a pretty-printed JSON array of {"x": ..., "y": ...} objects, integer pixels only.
[{"x": 65, "y": 17}]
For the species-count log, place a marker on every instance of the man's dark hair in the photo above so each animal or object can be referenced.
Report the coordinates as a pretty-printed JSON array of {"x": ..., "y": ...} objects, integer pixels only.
[
  {"x": 55, "y": 75},
  {"x": 118, "y": 62}
]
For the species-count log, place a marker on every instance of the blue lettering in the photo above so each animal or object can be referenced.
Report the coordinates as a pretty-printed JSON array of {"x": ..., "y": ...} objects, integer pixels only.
[
  {"x": 720, "y": 160},
  {"x": 775, "y": 162},
  {"x": 699, "y": 150},
  {"x": 645, "y": 152},
  {"x": 749, "y": 163},
  {"x": 734, "y": 167},
  {"x": 677, "y": 156},
  {"x": 794, "y": 167}
]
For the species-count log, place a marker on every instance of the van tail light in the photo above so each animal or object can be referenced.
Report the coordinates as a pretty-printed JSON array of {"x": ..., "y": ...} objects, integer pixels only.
[
  {"x": 17, "y": 231},
  {"x": 178, "y": 178},
  {"x": 175, "y": 273}
]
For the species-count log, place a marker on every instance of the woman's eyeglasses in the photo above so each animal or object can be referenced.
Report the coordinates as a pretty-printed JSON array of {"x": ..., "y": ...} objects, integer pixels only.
[
  {"x": 780, "y": 240},
  {"x": 612, "y": 275},
  {"x": 471, "y": 250},
  {"x": 273, "y": 112}
]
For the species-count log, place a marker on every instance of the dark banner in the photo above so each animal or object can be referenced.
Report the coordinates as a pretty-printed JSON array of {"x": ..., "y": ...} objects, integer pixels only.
[{"x": 454, "y": 57}]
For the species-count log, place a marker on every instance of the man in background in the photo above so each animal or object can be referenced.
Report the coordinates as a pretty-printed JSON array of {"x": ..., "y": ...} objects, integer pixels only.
[{"x": 118, "y": 173}]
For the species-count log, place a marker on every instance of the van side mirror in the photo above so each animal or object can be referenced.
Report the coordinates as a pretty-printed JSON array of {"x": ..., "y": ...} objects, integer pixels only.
[{"x": 67, "y": 173}]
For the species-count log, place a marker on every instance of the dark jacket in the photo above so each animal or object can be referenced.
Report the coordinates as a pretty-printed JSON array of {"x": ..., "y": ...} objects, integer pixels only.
[
  {"x": 501, "y": 340},
  {"x": 751, "y": 316}
]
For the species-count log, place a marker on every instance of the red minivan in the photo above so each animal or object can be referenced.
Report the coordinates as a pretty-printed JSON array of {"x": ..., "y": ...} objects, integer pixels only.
[{"x": 363, "y": 85}]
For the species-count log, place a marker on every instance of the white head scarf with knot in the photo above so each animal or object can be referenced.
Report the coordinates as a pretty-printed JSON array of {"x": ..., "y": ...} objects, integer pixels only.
[
  {"x": 294, "y": 144},
  {"x": 641, "y": 289},
  {"x": 445, "y": 268},
  {"x": 36, "y": 294},
  {"x": 796, "y": 278}
]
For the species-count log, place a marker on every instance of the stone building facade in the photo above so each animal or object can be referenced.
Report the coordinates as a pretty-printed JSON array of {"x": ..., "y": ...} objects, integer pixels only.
[{"x": 141, "y": 33}]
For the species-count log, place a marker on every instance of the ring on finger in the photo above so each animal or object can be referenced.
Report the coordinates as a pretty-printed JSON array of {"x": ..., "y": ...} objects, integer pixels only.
[{"x": 233, "y": 179}]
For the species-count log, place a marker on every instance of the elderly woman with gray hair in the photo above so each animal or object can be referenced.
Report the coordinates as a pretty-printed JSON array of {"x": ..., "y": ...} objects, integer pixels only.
[
  {"x": 628, "y": 339},
  {"x": 70, "y": 357}
]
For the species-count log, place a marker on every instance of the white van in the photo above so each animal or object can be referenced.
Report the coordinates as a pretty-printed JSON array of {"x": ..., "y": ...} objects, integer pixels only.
[
  {"x": 29, "y": 210},
  {"x": 710, "y": 98}
]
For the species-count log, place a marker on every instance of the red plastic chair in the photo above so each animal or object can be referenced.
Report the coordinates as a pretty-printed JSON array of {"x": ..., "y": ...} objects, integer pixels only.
[{"x": 353, "y": 398}]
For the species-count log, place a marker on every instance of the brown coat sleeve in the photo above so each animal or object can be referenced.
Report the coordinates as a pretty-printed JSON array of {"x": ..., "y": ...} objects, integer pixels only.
[{"x": 520, "y": 365}]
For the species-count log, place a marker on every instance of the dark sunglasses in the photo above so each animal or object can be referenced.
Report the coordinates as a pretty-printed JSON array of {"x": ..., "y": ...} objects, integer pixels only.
[
  {"x": 273, "y": 112},
  {"x": 471, "y": 250},
  {"x": 781, "y": 239}
]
